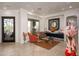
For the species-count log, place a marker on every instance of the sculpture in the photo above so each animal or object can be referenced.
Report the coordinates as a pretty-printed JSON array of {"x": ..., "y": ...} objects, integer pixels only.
[{"x": 70, "y": 32}]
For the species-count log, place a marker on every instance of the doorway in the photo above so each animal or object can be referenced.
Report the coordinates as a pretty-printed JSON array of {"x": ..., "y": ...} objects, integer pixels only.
[
  {"x": 33, "y": 25},
  {"x": 8, "y": 29}
]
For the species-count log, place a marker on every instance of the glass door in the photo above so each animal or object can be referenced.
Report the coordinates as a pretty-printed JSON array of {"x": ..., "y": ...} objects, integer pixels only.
[
  {"x": 8, "y": 29},
  {"x": 33, "y": 26}
]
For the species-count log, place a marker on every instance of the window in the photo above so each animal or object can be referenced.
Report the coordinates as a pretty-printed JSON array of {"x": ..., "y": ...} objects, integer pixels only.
[{"x": 33, "y": 25}]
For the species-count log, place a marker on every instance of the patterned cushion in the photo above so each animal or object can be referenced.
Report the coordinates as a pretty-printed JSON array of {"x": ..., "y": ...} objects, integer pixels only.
[
  {"x": 42, "y": 35},
  {"x": 33, "y": 38}
]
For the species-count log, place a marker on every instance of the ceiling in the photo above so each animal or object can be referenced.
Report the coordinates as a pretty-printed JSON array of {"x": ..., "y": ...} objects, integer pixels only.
[{"x": 40, "y": 8}]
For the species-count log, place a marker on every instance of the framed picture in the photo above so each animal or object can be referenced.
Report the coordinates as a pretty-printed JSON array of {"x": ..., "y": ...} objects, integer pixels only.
[{"x": 53, "y": 24}]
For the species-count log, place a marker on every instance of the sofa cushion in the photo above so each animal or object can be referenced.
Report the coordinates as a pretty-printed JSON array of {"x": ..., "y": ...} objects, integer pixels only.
[
  {"x": 42, "y": 35},
  {"x": 33, "y": 38}
]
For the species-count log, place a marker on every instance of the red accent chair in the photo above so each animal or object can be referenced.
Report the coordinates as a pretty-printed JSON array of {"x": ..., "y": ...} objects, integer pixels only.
[{"x": 32, "y": 38}]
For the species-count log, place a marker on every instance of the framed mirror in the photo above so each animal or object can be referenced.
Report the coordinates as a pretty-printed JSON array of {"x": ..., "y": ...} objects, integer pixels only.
[{"x": 53, "y": 24}]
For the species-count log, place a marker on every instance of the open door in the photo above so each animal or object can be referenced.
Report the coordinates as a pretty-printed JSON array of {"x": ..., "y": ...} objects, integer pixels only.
[{"x": 8, "y": 29}]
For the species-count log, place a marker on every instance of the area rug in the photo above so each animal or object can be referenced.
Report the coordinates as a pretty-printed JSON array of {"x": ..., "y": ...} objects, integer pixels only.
[{"x": 47, "y": 44}]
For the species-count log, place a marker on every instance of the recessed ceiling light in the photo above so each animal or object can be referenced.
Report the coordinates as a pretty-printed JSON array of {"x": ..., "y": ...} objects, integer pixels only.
[{"x": 70, "y": 6}]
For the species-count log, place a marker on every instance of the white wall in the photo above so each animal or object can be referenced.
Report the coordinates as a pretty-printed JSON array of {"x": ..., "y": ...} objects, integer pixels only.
[
  {"x": 36, "y": 17},
  {"x": 21, "y": 18},
  {"x": 24, "y": 16},
  {"x": 73, "y": 13},
  {"x": 63, "y": 15},
  {"x": 11, "y": 13},
  {"x": 0, "y": 29},
  {"x": 42, "y": 24},
  {"x": 23, "y": 24},
  {"x": 43, "y": 21}
]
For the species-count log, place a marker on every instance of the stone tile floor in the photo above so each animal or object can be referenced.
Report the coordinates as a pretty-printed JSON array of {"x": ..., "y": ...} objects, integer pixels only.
[{"x": 30, "y": 49}]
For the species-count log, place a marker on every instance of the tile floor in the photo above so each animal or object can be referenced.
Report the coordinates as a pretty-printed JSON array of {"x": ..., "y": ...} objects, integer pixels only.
[{"x": 30, "y": 49}]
